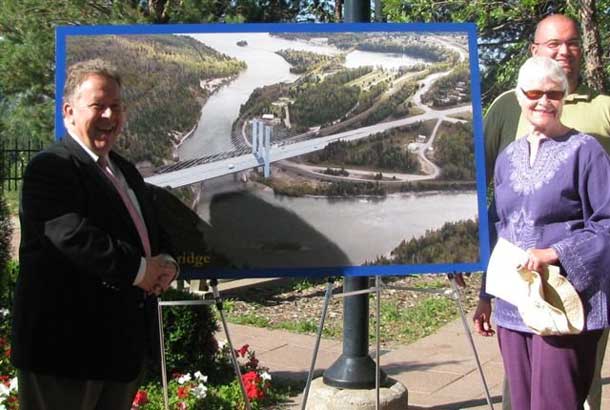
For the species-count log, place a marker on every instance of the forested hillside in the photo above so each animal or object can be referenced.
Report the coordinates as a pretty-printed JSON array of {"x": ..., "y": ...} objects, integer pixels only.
[
  {"x": 454, "y": 88},
  {"x": 396, "y": 106},
  {"x": 301, "y": 61},
  {"x": 380, "y": 152},
  {"x": 454, "y": 242},
  {"x": 412, "y": 45},
  {"x": 162, "y": 85},
  {"x": 332, "y": 93},
  {"x": 454, "y": 152}
]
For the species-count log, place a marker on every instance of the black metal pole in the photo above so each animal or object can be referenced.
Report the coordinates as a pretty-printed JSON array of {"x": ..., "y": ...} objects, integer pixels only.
[
  {"x": 379, "y": 11},
  {"x": 357, "y": 11},
  {"x": 354, "y": 369}
]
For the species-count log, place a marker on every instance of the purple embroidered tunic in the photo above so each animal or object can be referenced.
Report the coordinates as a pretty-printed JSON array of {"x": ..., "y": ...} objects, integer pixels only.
[{"x": 562, "y": 201}]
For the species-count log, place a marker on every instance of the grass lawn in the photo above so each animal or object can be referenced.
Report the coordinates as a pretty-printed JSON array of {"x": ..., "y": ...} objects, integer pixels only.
[{"x": 406, "y": 315}]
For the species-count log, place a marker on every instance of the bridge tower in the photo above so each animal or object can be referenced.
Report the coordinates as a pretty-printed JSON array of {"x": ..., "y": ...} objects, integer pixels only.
[{"x": 261, "y": 144}]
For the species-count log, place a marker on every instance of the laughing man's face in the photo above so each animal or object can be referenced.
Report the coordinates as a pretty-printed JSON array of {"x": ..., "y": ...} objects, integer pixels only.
[{"x": 95, "y": 113}]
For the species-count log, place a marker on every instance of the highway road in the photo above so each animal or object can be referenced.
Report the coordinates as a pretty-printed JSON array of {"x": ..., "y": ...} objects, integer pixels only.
[
  {"x": 211, "y": 170},
  {"x": 278, "y": 152}
]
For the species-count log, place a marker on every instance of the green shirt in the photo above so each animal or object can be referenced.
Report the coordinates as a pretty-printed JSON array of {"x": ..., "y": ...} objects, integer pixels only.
[{"x": 583, "y": 110}]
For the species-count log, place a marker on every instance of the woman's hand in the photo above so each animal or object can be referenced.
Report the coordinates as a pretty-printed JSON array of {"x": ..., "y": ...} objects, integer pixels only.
[
  {"x": 481, "y": 318},
  {"x": 540, "y": 258}
]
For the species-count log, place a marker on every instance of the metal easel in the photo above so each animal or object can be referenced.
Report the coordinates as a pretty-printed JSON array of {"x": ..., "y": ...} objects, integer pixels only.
[
  {"x": 454, "y": 293},
  {"x": 217, "y": 301}
]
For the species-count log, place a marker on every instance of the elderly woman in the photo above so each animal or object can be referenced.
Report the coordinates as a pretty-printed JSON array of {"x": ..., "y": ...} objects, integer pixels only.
[{"x": 551, "y": 198}]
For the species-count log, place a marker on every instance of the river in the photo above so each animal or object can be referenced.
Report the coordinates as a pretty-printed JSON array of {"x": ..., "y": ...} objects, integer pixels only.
[
  {"x": 259, "y": 229},
  {"x": 265, "y": 67},
  {"x": 213, "y": 134}
]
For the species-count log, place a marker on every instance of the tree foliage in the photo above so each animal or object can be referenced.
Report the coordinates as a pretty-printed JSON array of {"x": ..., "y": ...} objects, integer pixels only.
[
  {"x": 454, "y": 242},
  {"x": 6, "y": 231},
  {"x": 450, "y": 89},
  {"x": 454, "y": 152},
  {"x": 27, "y": 57},
  {"x": 27, "y": 38},
  {"x": 380, "y": 152},
  {"x": 302, "y": 61},
  {"x": 27, "y": 44},
  {"x": 395, "y": 106},
  {"x": 505, "y": 30},
  {"x": 332, "y": 93}
]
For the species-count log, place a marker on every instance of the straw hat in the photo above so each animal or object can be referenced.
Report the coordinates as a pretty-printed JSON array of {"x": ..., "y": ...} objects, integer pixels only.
[
  {"x": 553, "y": 306},
  {"x": 547, "y": 301}
]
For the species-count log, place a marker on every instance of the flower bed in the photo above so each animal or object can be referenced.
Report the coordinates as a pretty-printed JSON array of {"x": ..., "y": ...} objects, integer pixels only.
[
  {"x": 8, "y": 376},
  {"x": 195, "y": 392},
  {"x": 186, "y": 391}
]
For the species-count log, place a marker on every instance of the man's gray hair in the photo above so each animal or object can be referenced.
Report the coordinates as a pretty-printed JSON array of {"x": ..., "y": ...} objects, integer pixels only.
[
  {"x": 539, "y": 68},
  {"x": 79, "y": 72}
]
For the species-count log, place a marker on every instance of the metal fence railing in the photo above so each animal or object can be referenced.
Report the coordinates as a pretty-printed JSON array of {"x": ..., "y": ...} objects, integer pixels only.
[{"x": 14, "y": 156}]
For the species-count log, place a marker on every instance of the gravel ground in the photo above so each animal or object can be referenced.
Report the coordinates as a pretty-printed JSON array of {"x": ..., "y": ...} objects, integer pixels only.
[{"x": 406, "y": 315}]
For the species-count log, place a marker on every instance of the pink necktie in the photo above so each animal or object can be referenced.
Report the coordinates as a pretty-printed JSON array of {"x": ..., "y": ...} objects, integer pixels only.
[{"x": 135, "y": 216}]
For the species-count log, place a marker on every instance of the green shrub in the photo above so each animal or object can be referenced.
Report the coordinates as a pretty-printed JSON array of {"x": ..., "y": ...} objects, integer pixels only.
[
  {"x": 6, "y": 268},
  {"x": 190, "y": 345},
  {"x": 8, "y": 278}
]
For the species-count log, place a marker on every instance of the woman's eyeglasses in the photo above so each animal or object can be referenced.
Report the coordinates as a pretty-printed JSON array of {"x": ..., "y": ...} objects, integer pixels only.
[{"x": 537, "y": 94}]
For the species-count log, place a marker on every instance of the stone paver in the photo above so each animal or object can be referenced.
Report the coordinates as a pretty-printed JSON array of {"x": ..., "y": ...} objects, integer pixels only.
[{"x": 439, "y": 371}]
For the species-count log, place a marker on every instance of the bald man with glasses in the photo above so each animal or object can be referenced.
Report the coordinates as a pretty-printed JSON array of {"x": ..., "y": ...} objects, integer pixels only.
[{"x": 557, "y": 37}]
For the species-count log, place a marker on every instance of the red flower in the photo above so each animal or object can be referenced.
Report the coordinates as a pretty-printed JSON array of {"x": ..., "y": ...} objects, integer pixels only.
[
  {"x": 252, "y": 383},
  {"x": 243, "y": 350},
  {"x": 8, "y": 352},
  {"x": 176, "y": 374},
  {"x": 141, "y": 398},
  {"x": 181, "y": 406},
  {"x": 183, "y": 392},
  {"x": 249, "y": 377}
]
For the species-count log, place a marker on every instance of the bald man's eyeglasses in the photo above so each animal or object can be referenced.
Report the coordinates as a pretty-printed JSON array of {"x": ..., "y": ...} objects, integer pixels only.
[{"x": 572, "y": 45}]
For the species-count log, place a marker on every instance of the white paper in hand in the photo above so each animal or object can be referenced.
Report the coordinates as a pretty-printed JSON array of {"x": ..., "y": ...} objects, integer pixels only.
[{"x": 503, "y": 278}]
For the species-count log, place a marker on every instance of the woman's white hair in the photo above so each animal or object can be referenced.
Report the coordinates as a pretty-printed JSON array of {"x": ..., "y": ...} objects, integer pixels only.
[{"x": 538, "y": 69}]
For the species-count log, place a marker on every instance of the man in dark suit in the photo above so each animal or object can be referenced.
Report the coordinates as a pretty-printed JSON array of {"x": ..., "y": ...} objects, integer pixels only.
[{"x": 91, "y": 260}]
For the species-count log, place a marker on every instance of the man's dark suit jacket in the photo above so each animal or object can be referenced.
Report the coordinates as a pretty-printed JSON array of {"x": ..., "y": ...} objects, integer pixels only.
[{"x": 76, "y": 312}]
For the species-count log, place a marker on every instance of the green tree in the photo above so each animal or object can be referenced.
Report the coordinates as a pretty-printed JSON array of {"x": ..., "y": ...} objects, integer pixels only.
[
  {"x": 27, "y": 57},
  {"x": 27, "y": 44},
  {"x": 454, "y": 242},
  {"x": 506, "y": 28}
]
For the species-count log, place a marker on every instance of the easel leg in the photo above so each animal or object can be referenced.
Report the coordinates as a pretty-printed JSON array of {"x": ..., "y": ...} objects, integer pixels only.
[
  {"x": 458, "y": 301},
  {"x": 327, "y": 296},
  {"x": 163, "y": 365},
  {"x": 214, "y": 286},
  {"x": 377, "y": 339}
]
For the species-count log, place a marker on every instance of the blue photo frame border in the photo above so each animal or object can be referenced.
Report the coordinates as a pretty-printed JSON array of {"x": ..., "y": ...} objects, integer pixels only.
[{"x": 63, "y": 32}]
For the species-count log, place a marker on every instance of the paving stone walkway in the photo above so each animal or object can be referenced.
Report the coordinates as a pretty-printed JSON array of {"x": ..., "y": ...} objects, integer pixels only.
[{"x": 439, "y": 371}]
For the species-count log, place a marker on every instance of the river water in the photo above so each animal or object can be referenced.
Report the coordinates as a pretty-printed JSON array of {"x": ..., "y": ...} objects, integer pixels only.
[
  {"x": 213, "y": 134},
  {"x": 256, "y": 228}
]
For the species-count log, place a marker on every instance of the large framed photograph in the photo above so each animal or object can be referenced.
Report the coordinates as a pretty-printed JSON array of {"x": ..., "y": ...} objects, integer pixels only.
[{"x": 305, "y": 149}]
